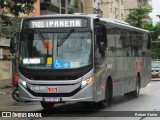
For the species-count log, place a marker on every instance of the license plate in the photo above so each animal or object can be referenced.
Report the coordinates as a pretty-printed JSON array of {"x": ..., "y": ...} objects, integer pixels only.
[{"x": 51, "y": 99}]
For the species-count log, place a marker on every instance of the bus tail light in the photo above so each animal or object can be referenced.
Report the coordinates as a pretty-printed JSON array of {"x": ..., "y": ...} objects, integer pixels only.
[{"x": 86, "y": 82}]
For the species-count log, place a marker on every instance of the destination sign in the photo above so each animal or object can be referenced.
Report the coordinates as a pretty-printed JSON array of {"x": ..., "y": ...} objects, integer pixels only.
[{"x": 58, "y": 23}]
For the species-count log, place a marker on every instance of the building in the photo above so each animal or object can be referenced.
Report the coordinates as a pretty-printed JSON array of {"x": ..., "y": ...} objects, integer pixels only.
[
  {"x": 143, "y": 3},
  {"x": 114, "y": 9},
  {"x": 45, "y": 7},
  {"x": 36, "y": 11},
  {"x": 129, "y": 5},
  {"x": 106, "y": 8}
]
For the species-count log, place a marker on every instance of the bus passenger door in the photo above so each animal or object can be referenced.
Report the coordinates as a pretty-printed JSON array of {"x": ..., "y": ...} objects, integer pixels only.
[{"x": 100, "y": 61}]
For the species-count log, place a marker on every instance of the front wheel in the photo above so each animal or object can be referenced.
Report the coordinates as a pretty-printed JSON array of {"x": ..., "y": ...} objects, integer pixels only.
[
  {"x": 47, "y": 105},
  {"x": 15, "y": 95},
  {"x": 108, "y": 96}
]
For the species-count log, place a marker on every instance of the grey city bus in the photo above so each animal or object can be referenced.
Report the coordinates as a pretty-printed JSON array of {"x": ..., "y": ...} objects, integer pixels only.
[{"x": 80, "y": 58}]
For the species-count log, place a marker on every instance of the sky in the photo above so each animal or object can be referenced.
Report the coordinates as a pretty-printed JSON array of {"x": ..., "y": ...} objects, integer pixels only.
[{"x": 156, "y": 11}]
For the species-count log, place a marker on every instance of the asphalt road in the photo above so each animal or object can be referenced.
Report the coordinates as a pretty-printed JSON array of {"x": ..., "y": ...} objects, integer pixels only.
[{"x": 149, "y": 100}]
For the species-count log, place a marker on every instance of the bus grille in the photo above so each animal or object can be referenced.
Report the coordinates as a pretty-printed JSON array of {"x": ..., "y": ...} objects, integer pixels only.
[{"x": 54, "y": 94}]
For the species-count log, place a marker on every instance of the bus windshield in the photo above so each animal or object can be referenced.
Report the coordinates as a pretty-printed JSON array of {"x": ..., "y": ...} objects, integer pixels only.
[{"x": 38, "y": 53}]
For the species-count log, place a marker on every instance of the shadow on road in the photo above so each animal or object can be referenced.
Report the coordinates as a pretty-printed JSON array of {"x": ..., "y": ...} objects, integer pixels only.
[{"x": 84, "y": 110}]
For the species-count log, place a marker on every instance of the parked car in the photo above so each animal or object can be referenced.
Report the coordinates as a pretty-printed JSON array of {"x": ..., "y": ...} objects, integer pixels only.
[{"x": 155, "y": 70}]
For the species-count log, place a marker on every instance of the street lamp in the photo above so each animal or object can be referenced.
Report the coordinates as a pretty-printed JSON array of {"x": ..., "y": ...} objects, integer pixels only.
[{"x": 101, "y": 3}]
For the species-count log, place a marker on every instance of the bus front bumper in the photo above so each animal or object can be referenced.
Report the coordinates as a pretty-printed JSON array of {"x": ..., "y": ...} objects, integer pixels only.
[{"x": 84, "y": 95}]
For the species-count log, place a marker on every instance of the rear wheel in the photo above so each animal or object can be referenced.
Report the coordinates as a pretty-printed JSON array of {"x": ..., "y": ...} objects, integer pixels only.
[
  {"x": 47, "y": 105},
  {"x": 137, "y": 90}
]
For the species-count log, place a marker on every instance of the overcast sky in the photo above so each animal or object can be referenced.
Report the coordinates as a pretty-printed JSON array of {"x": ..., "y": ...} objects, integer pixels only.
[{"x": 155, "y": 11}]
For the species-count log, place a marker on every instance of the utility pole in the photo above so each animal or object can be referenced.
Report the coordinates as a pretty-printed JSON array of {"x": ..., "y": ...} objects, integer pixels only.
[
  {"x": 66, "y": 6},
  {"x": 60, "y": 7}
]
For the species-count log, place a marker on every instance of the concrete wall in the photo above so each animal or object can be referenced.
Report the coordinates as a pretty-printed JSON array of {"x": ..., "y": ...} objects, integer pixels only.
[{"x": 5, "y": 73}]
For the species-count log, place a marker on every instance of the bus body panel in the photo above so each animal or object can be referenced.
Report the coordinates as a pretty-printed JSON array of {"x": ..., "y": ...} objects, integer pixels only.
[
  {"x": 119, "y": 65},
  {"x": 87, "y": 93}
]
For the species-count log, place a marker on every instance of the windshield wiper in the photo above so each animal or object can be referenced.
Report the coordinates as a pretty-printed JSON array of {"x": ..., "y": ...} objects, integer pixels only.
[
  {"x": 62, "y": 40},
  {"x": 42, "y": 38}
]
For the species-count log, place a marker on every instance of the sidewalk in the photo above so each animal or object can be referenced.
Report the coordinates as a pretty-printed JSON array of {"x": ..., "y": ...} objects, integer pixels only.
[
  {"x": 5, "y": 83},
  {"x": 7, "y": 90}
]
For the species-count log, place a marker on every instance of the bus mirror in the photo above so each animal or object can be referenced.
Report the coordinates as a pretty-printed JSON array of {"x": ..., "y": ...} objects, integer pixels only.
[{"x": 13, "y": 45}]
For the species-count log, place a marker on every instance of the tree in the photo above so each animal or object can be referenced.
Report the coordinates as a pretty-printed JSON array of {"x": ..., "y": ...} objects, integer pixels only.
[
  {"x": 139, "y": 16},
  {"x": 14, "y": 7},
  {"x": 155, "y": 35},
  {"x": 158, "y": 16}
]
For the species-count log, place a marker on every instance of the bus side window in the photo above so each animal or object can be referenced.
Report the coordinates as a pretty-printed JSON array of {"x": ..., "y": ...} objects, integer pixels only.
[
  {"x": 100, "y": 44},
  {"x": 149, "y": 42},
  {"x": 112, "y": 51}
]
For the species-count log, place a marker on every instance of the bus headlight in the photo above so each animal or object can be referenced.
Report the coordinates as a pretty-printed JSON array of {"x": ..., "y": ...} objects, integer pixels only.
[
  {"x": 86, "y": 82},
  {"x": 23, "y": 82}
]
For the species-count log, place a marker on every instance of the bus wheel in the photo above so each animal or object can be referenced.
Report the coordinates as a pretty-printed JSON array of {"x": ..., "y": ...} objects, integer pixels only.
[
  {"x": 137, "y": 90},
  {"x": 108, "y": 95},
  {"x": 47, "y": 105},
  {"x": 15, "y": 95}
]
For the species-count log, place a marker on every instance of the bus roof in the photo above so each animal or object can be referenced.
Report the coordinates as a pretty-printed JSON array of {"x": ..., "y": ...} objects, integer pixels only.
[
  {"x": 60, "y": 15},
  {"x": 108, "y": 21},
  {"x": 121, "y": 24}
]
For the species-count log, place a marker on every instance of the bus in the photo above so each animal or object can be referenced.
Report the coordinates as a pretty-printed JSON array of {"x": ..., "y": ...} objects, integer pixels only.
[{"x": 80, "y": 58}]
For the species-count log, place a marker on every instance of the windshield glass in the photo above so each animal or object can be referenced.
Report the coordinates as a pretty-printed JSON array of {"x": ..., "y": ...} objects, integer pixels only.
[
  {"x": 155, "y": 64},
  {"x": 38, "y": 53}
]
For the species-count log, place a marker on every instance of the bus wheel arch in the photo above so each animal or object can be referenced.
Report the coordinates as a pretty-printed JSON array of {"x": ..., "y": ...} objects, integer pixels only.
[
  {"x": 110, "y": 84},
  {"x": 136, "y": 92},
  {"x": 139, "y": 77},
  {"x": 108, "y": 93}
]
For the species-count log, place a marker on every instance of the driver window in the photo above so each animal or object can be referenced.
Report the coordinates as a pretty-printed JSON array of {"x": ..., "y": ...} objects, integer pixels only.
[{"x": 100, "y": 38}]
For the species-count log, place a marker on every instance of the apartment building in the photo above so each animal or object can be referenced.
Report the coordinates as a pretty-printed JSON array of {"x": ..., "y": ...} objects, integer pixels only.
[
  {"x": 129, "y": 5},
  {"x": 114, "y": 9},
  {"x": 106, "y": 8},
  {"x": 143, "y": 2}
]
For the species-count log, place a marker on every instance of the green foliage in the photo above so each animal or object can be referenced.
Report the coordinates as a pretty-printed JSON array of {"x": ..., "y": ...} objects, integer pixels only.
[
  {"x": 15, "y": 7},
  {"x": 155, "y": 35},
  {"x": 158, "y": 16},
  {"x": 155, "y": 30},
  {"x": 73, "y": 7},
  {"x": 149, "y": 26},
  {"x": 10, "y": 10},
  {"x": 138, "y": 16}
]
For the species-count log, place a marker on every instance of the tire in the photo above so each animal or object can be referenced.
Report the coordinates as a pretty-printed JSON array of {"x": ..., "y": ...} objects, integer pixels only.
[
  {"x": 47, "y": 105},
  {"x": 108, "y": 96},
  {"x": 88, "y": 104},
  {"x": 136, "y": 92},
  {"x": 137, "y": 89},
  {"x": 15, "y": 95}
]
